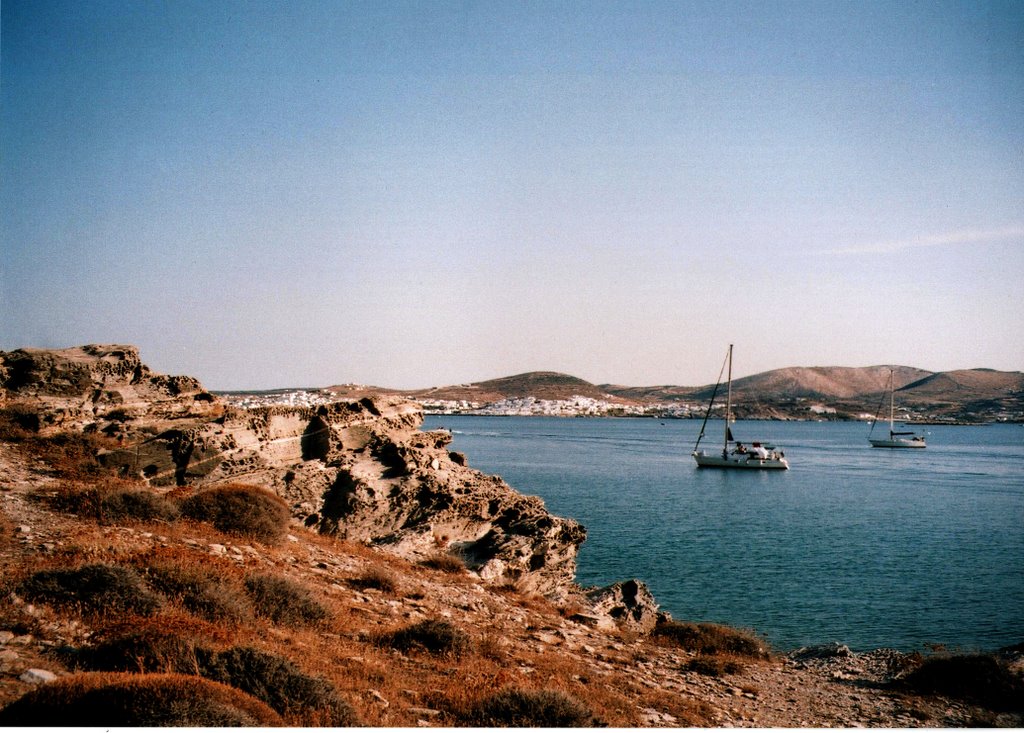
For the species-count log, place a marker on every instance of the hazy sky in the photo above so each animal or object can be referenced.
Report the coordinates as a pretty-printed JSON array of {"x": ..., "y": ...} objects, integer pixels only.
[{"x": 410, "y": 194}]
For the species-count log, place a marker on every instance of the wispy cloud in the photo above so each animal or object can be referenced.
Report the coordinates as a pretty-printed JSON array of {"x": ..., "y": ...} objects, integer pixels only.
[{"x": 947, "y": 239}]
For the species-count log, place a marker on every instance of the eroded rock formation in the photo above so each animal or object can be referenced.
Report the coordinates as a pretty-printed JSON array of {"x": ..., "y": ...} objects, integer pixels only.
[
  {"x": 98, "y": 387},
  {"x": 359, "y": 470}
]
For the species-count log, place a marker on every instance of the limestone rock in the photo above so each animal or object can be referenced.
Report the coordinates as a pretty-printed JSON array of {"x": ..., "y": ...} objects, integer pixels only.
[
  {"x": 628, "y": 603},
  {"x": 37, "y": 676},
  {"x": 98, "y": 387}
]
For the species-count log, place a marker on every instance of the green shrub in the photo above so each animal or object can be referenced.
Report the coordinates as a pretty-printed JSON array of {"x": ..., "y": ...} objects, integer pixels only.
[
  {"x": 979, "y": 678},
  {"x": 281, "y": 685},
  {"x": 113, "y": 699},
  {"x": 283, "y": 601},
  {"x": 245, "y": 511},
  {"x": 707, "y": 638},
  {"x": 512, "y": 708},
  {"x": 436, "y": 637},
  {"x": 96, "y": 588}
]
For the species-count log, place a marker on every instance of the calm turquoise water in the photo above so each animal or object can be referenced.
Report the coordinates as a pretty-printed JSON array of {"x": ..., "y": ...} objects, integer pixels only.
[{"x": 863, "y": 546}]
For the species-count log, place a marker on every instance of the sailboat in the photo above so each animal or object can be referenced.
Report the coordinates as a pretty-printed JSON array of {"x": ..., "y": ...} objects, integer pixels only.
[
  {"x": 904, "y": 439},
  {"x": 735, "y": 454}
]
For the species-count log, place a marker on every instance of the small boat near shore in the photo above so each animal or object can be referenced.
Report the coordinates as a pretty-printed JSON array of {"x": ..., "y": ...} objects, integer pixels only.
[
  {"x": 896, "y": 439},
  {"x": 758, "y": 455}
]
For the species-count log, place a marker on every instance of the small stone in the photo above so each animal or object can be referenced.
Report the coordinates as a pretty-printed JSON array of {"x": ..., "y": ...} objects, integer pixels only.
[
  {"x": 216, "y": 549},
  {"x": 6, "y": 636},
  {"x": 37, "y": 676},
  {"x": 425, "y": 712}
]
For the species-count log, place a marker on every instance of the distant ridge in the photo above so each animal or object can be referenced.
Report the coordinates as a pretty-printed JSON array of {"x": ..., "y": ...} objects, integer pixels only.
[
  {"x": 787, "y": 383},
  {"x": 851, "y": 389}
]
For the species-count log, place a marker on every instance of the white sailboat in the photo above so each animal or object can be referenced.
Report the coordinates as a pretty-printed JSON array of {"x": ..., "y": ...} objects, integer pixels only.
[
  {"x": 735, "y": 454},
  {"x": 896, "y": 439}
]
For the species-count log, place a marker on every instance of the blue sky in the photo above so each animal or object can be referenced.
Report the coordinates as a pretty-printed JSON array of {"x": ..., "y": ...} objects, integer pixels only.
[{"x": 411, "y": 194}]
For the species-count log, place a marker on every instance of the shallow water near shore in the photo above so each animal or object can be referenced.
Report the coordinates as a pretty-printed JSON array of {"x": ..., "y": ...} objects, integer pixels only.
[{"x": 868, "y": 547}]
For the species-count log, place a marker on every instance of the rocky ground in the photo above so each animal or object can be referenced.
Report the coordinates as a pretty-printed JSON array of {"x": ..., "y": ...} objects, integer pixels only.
[{"x": 633, "y": 680}]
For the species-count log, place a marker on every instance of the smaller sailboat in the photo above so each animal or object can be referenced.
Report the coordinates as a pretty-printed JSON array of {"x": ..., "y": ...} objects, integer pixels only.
[
  {"x": 896, "y": 439},
  {"x": 735, "y": 454}
]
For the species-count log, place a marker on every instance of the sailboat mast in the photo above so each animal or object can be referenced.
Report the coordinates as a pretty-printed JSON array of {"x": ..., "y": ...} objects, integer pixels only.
[
  {"x": 892, "y": 398},
  {"x": 728, "y": 402}
]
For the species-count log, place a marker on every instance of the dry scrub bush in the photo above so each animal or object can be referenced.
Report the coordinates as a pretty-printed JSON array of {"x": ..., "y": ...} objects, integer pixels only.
[
  {"x": 376, "y": 577},
  {"x": 283, "y": 601},
  {"x": 282, "y": 685},
  {"x": 446, "y": 562},
  {"x": 105, "y": 699},
  {"x": 713, "y": 666},
  {"x": 18, "y": 422},
  {"x": 707, "y": 638},
  {"x": 98, "y": 588},
  {"x": 513, "y": 708},
  {"x": 147, "y": 650},
  {"x": 70, "y": 455},
  {"x": 241, "y": 510},
  {"x": 979, "y": 678},
  {"x": 115, "y": 501},
  {"x": 207, "y": 590},
  {"x": 440, "y": 638},
  {"x": 267, "y": 677}
]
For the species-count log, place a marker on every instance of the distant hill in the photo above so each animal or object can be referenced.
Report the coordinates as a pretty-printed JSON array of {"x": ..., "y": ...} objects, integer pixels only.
[
  {"x": 852, "y": 389},
  {"x": 541, "y": 385}
]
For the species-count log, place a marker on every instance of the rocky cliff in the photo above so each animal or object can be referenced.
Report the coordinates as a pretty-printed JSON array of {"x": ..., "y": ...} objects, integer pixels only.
[
  {"x": 360, "y": 470},
  {"x": 98, "y": 387}
]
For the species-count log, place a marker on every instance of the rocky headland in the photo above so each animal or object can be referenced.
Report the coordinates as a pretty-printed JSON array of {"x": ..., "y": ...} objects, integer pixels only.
[{"x": 386, "y": 526}]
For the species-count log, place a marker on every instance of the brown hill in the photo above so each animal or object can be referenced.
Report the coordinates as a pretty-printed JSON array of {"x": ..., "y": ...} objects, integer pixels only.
[
  {"x": 540, "y": 385},
  {"x": 985, "y": 383},
  {"x": 791, "y": 383}
]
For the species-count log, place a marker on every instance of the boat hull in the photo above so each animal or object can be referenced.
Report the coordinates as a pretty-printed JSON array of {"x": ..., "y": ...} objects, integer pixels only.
[
  {"x": 740, "y": 461},
  {"x": 896, "y": 443}
]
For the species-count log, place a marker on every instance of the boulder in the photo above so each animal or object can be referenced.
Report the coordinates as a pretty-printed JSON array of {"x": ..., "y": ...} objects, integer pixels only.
[{"x": 628, "y": 603}]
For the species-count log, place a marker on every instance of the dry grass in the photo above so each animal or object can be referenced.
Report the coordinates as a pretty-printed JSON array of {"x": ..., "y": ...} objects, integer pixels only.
[
  {"x": 68, "y": 455},
  {"x": 208, "y": 587}
]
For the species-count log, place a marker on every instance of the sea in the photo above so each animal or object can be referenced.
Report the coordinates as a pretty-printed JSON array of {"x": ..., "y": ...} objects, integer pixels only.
[{"x": 907, "y": 549}]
